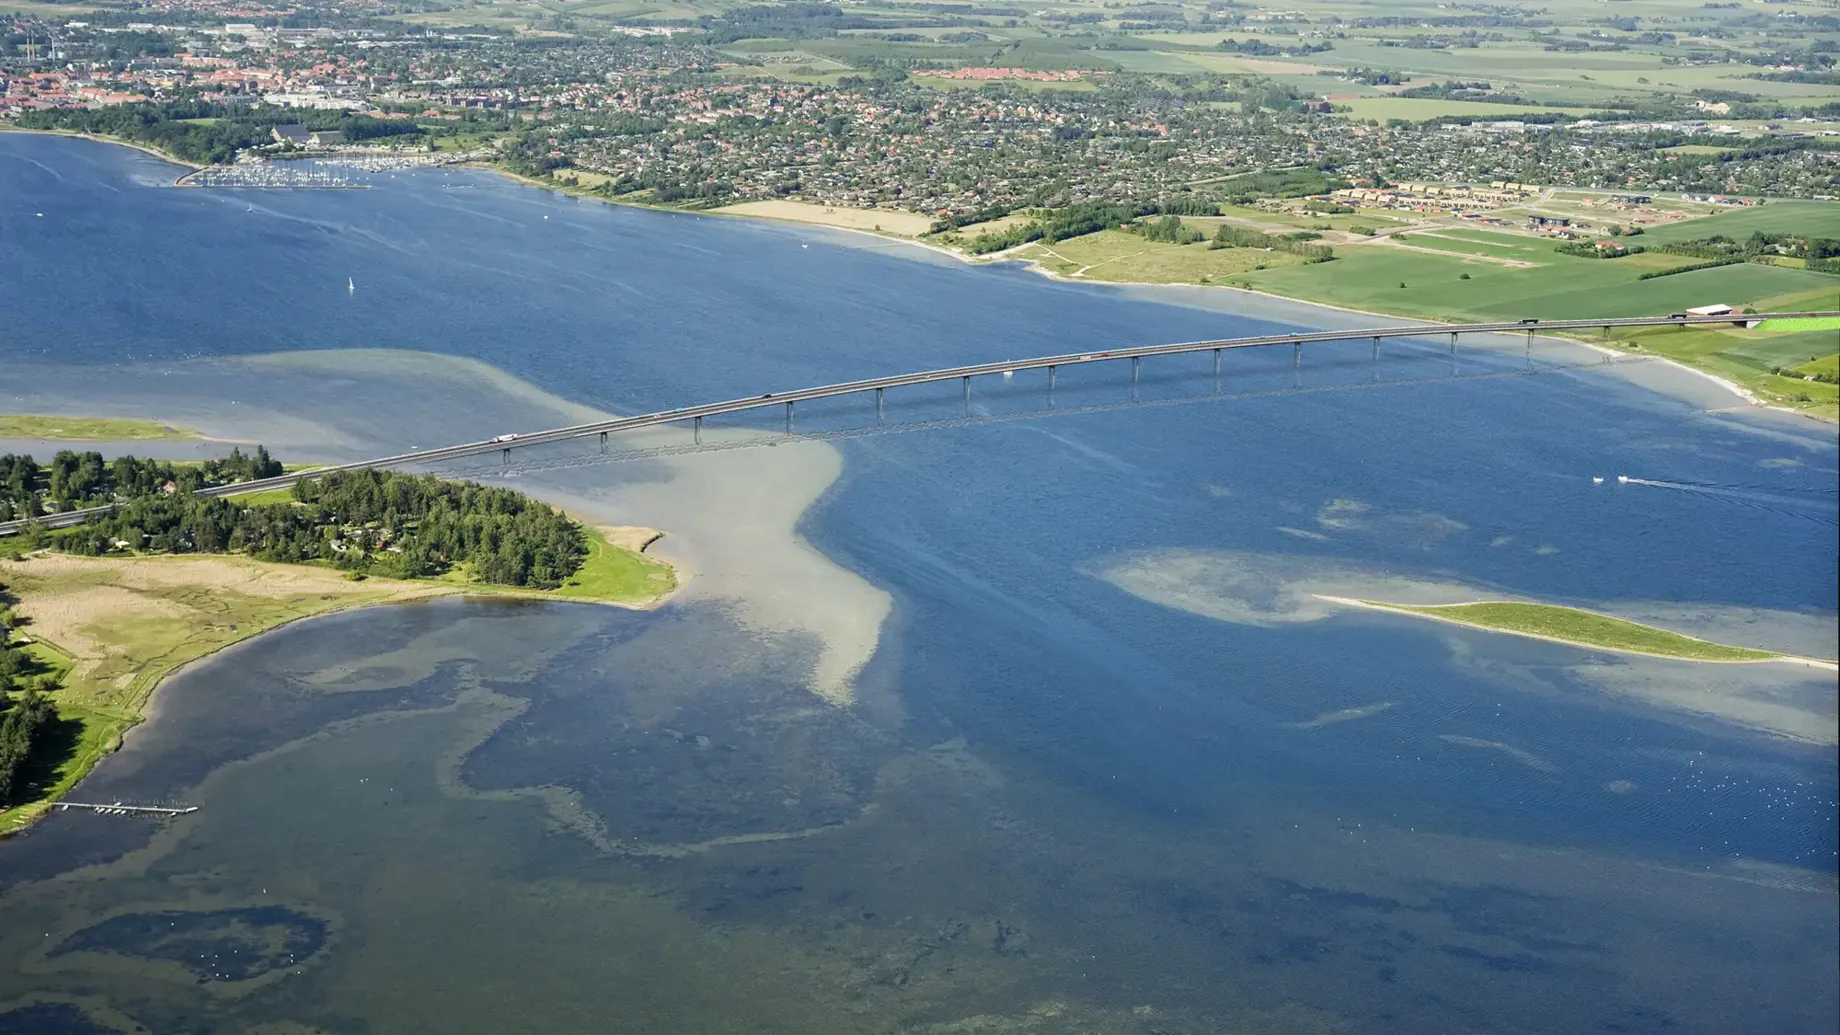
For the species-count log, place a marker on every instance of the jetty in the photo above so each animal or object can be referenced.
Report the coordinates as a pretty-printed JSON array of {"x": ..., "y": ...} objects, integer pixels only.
[{"x": 121, "y": 809}]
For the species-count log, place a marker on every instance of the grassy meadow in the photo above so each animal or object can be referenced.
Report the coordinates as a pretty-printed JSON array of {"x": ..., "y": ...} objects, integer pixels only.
[
  {"x": 1119, "y": 257},
  {"x": 89, "y": 429}
]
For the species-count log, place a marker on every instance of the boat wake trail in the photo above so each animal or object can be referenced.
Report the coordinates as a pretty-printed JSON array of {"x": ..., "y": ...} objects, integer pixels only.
[{"x": 1787, "y": 502}]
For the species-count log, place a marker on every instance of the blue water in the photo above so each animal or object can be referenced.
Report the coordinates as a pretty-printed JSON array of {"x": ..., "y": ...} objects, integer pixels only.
[{"x": 1125, "y": 714}]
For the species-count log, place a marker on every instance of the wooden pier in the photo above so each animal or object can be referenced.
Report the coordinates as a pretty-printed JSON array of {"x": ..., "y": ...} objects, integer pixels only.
[{"x": 120, "y": 809}]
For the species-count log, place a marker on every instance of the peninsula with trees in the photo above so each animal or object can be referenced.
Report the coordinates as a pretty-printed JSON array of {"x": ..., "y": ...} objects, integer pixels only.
[{"x": 93, "y": 617}]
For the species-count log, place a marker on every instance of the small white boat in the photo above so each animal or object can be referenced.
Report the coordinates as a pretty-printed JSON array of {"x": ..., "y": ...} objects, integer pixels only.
[{"x": 1596, "y": 480}]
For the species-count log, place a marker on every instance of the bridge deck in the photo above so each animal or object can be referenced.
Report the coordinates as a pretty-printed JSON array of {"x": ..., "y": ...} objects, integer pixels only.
[{"x": 770, "y": 399}]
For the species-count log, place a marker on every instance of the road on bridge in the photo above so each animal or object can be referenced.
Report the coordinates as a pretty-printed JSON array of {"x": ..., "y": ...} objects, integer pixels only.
[{"x": 696, "y": 414}]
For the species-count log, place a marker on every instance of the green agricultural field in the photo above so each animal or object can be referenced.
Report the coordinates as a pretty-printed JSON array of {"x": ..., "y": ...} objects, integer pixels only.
[
  {"x": 1116, "y": 256},
  {"x": 1585, "y": 628},
  {"x": 89, "y": 429},
  {"x": 1814, "y": 218},
  {"x": 1827, "y": 365},
  {"x": 1818, "y": 323},
  {"x": 1369, "y": 277},
  {"x": 1498, "y": 246},
  {"x": 1418, "y": 109}
]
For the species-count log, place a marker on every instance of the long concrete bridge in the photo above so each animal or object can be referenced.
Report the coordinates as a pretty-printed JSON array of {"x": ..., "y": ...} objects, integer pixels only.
[{"x": 695, "y": 415}]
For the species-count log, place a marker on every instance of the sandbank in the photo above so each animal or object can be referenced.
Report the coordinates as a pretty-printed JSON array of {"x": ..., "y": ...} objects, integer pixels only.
[{"x": 1370, "y": 605}]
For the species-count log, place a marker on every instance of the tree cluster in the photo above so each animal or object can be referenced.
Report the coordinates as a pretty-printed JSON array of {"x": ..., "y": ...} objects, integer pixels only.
[
  {"x": 379, "y": 522},
  {"x": 73, "y": 480},
  {"x": 23, "y": 722},
  {"x": 1169, "y": 230},
  {"x": 1229, "y": 236},
  {"x": 23, "y": 719},
  {"x": 172, "y": 127}
]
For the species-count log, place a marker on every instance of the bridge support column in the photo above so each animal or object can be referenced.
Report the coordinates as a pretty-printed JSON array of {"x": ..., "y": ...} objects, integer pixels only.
[
  {"x": 1376, "y": 376},
  {"x": 965, "y": 404},
  {"x": 1216, "y": 371},
  {"x": 788, "y": 418},
  {"x": 1136, "y": 361},
  {"x": 1296, "y": 364},
  {"x": 603, "y": 441},
  {"x": 696, "y": 432},
  {"x": 504, "y": 457},
  {"x": 1530, "y": 350},
  {"x": 878, "y": 405},
  {"x": 1050, "y": 380},
  {"x": 1453, "y": 353}
]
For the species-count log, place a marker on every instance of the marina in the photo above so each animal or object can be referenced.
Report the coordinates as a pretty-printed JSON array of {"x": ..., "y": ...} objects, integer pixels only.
[{"x": 270, "y": 176}]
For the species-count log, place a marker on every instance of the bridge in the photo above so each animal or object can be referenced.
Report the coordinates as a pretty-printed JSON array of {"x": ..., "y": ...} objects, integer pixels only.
[{"x": 695, "y": 415}]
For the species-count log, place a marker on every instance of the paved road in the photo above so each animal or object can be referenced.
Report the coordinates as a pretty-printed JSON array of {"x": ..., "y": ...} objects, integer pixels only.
[{"x": 695, "y": 414}]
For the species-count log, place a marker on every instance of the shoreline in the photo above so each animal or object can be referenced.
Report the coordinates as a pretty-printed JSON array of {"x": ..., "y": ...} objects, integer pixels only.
[
  {"x": 144, "y": 702},
  {"x": 1268, "y": 298},
  {"x": 1303, "y": 305},
  {"x": 1368, "y": 605},
  {"x": 103, "y": 138}
]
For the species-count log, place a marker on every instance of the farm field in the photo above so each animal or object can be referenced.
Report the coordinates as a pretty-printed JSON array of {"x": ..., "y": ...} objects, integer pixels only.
[
  {"x": 1815, "y": 218},
  {"x": 1475, "y": 242},
  {"x": 1418, "y": 109},
  {"x": 1113, "y": 255},
  {"x": 1371, "y": 278}
]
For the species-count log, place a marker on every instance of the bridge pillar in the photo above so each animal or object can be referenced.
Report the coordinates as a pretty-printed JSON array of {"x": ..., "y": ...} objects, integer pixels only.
[
  {"x": 1216, "y": 371},
  {"x": 1135, "y": 362},
  {"x": 1050, "y": 380},
  {"x": 603, "y": 441},
  {"x": 788, "y": 418},
  {"x": 1296, "y": 364},
  {"x": 878, "y": 405},
  {"x": 696, "y": 432},
  {"x": 1530, "y": 350},
  {"x": 966, "y": 404},
  {"x": 504, "y": 459},
  {"x": 1376, "y": 376},
  {"x": 1453, "y": 353}
]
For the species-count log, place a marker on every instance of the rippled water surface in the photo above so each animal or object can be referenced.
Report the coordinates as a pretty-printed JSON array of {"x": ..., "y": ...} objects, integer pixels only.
[{"x": 1108, "y": 764}]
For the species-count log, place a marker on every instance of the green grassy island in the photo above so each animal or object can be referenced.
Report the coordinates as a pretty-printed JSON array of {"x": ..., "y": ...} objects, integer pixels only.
[
  {"x": 1577, "y": 627},
  {"x": 93, "y": 618},
  {"x": 88, "y": 429}
]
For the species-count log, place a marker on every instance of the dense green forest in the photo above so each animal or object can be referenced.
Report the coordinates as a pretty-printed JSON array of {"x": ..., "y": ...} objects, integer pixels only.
[
  {"x": 378, "y": 522},
  {"x": 73, "y": 480},
  {"x": 24, "y": 719},
  {"x": 177, "y": 129}
]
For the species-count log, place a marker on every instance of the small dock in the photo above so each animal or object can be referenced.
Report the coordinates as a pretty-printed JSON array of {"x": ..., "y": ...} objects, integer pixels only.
[{"x": 122, "y": 809}]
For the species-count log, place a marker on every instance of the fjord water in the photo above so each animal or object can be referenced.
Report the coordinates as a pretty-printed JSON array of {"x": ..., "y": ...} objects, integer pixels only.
[{"x": 1108, "y": 768}]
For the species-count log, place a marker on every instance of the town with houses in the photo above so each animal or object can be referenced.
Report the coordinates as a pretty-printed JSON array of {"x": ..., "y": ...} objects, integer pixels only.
[{"x": 657, "y": 112}]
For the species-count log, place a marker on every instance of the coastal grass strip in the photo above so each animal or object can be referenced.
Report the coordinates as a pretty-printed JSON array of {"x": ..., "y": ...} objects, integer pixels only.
[
  {"x": 89, "y": 429},
  {"x": 1585, "y": 628},
  {"x": 1812, "y": 323}
]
